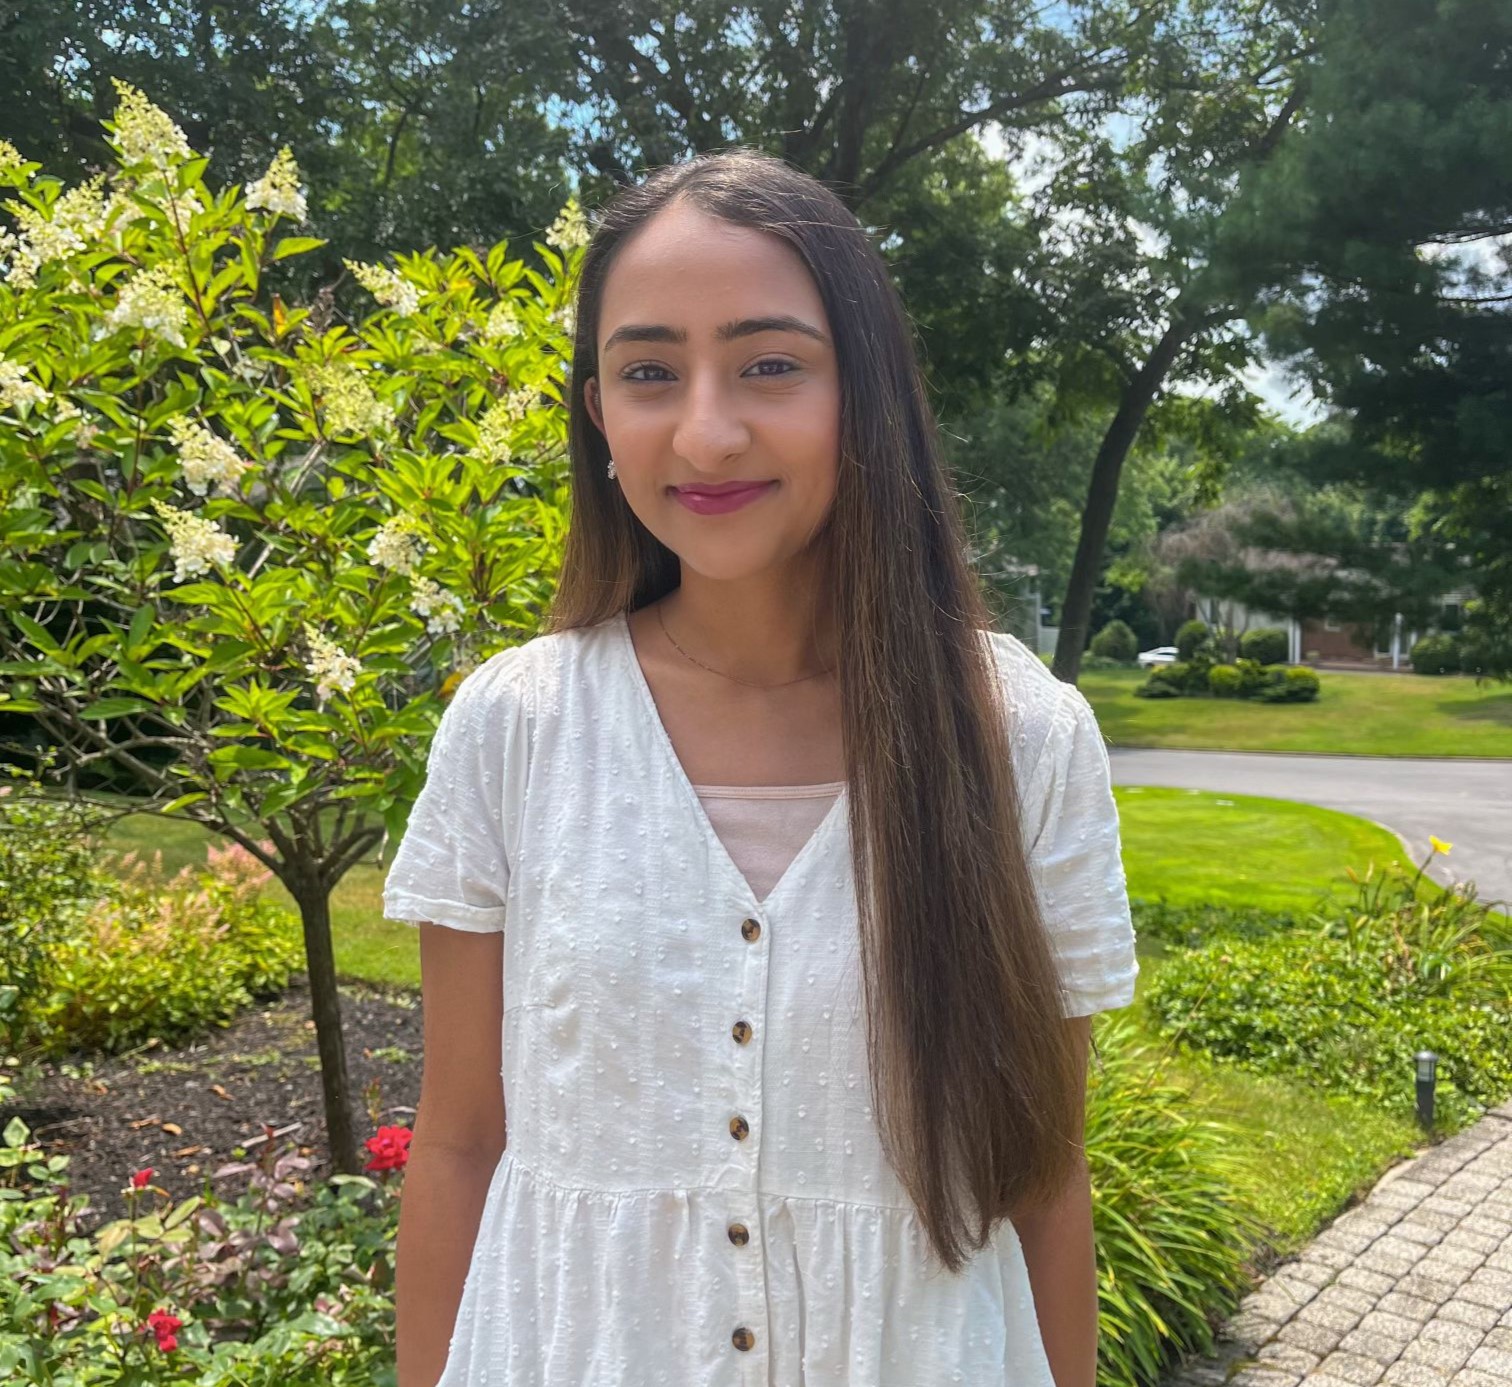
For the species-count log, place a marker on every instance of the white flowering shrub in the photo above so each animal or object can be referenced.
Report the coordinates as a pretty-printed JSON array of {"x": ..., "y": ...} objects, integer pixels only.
[{"x": 249, "y": 546}]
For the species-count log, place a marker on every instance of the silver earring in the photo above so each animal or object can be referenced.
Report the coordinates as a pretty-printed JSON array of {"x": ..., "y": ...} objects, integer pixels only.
[{"x": 612, "y": 472}]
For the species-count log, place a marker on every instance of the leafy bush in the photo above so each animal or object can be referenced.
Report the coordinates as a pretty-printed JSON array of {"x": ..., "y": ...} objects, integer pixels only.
[
  {"x": 1265, "y": 645},
  {"x": 1485, "y": 639},
  {"x": 48, "y": 879},
  {"x": 1436, "y": 654},
  {"x": 274, "y": 1285},
  {"x": 1289, "y": 684},
  {"x": 164, "y": 961},
  {"x": 1116, "y": 641},
  {"x": 1191, "y": 636},
  {"x": 1348, "y": 1005},
  {"x": 1191, "y": 926},
  {"x": 1243, "y": 679},
  {"x": 1224, "y": 681},
  {"x": 1252, "y": 676},
  {"x": 1171, "y": 1233}
]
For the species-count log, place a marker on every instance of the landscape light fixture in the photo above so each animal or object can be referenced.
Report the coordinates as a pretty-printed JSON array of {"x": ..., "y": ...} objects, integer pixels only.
[{"x": 1427, "y": 1075}]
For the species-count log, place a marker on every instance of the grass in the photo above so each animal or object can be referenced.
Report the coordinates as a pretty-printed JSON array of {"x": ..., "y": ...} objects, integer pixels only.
[
  {"x": 1365, "y": 714},
  {"x": 1195, "y": 847},
  {"x": 1305, "y": 1153}
]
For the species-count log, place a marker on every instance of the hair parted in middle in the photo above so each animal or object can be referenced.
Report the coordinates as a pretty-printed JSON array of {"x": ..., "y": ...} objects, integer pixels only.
[{"x": 976, "y": 1084}]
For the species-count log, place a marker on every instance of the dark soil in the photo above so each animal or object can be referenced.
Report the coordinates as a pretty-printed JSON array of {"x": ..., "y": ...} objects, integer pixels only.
[{"x": 187, "y": 1111}]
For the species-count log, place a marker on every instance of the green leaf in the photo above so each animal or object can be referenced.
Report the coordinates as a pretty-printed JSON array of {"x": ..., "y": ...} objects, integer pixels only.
[
  {"x": 248, "y": 758},
  {"x": 37, "y": 633},
  {"x": 296, "y": 245},
  {"x": 114, "y": 708},
  {"x": 16, "y": 1132},
  {"x": 141, "y": 623}
]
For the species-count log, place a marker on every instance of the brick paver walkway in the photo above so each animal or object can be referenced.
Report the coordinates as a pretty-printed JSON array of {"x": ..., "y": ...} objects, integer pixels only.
[{"x": 1412, "y": 1288}]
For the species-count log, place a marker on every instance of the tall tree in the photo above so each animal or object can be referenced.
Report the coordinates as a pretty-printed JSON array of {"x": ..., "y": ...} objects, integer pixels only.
[
  {"x": 1394, "y": 208},
  {"x": 1146, "y": 247}
]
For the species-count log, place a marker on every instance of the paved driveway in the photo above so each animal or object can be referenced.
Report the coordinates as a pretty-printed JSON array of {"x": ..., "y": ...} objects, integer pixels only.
[{"x": 1466, "y": 802}]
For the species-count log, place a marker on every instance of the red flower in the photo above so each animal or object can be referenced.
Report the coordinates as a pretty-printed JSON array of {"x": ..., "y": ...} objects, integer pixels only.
[
  {"x": 390, "y": 1148},
  {"x": 140, "y": 1180},
  {"x": 165, "y": 1327}
]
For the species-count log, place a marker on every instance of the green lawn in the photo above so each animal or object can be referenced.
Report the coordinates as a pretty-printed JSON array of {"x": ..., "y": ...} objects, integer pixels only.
[
  {"x": 1191, "y": 847},
  {"x": 1308, "y": 1153},
  {"x": 1366, "y": 714}
]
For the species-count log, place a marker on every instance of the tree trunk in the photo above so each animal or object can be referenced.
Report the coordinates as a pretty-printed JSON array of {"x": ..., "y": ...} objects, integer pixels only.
[
  {"x": 314, "y": 903},
  {"x": 1102, "y": 495}
]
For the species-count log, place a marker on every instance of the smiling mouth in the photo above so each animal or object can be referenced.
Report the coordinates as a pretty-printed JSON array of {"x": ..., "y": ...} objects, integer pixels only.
[{"x": 719, "y": 489}]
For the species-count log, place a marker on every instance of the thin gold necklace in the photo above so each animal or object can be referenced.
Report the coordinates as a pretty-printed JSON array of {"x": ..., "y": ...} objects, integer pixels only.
[{"x": 801, "y": 678}]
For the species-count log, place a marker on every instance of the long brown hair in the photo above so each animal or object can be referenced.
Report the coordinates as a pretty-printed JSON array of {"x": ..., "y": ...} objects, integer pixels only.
[{"x": 974, "y": 1075}]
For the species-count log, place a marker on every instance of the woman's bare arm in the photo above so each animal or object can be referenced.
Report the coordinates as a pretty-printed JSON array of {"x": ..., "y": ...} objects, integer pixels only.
[
  {"x": 1062, "y": 1262},
  {"x": 459, "y": 1137}
]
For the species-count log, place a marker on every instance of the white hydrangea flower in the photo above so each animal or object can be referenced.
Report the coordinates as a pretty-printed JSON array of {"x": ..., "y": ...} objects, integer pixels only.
[
  {"x": 278, "y": 189},
  {"x": 387, "y": 287},
  {"x": 442, "y": 610},
  {"x": 77, "y": 218},
  {"x": 503, "y": 324},
  {"x": 347, "y": 400},
  {"x": 569, "y": 232},
  {"x": 330, "y": 666},
  {"x": 17, "y": 389},
  {"x": 566, "y": 318},
  {"x": 10, "y": 158},
  {"x": 396, "y": 546},
  {"x": 196, "y": 543},
  {"x": 206, "y": 458},
  {"x": 144, "y": 133},
  {"x": 495, "y": 429},
  {"x": 151, "y": 299}
]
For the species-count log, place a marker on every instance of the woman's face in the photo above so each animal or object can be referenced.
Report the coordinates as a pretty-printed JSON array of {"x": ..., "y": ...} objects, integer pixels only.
[{"x": 698, "y": 386}]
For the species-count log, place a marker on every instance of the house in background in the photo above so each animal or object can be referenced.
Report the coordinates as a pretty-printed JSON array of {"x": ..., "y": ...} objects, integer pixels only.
[{"x": 1331, "y": 642}]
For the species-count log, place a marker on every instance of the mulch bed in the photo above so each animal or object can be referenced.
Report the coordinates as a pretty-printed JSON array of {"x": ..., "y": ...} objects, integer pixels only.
[{"x": 187, "y": 1111}]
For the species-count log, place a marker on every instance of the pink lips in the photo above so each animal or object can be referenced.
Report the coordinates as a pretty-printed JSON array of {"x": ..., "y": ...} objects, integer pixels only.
[{"x": 721, "y": 499}]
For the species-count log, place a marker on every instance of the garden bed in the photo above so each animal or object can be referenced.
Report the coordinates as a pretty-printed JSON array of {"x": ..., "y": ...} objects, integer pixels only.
[{"x": 186, "y": 1111}]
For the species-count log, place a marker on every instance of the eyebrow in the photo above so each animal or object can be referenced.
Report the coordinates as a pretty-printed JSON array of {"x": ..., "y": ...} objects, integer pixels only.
[{"x": 726, "y": 332}]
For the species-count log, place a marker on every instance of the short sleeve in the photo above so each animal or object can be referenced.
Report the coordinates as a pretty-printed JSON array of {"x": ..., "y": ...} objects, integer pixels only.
[
  {"x": 452, "y": 866},
  {"x": 1076, "y": 861}
]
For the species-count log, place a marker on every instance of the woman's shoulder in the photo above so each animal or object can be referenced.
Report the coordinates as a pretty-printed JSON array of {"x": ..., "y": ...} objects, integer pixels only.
[
  {"x": 531, "y": 673},
  {"x": 1040, "y": 705}
]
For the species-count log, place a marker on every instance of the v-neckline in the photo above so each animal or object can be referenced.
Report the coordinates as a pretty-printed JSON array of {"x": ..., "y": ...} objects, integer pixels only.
[{"x": 690, "y": 796}]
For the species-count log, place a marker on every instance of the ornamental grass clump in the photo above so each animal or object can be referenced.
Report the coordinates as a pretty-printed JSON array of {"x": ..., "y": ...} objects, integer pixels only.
[{"x": 1173, "y": 1225}]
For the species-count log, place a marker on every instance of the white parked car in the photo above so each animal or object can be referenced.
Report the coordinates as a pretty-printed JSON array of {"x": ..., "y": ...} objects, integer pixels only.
[{"x": 1160, "y": 655}]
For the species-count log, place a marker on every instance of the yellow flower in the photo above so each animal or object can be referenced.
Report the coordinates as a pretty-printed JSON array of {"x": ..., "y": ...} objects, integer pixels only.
[{"x": 1438, "y": 844}]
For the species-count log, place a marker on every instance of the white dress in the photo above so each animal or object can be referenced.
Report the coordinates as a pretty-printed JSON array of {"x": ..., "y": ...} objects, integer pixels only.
[{"x": 694, "y": 1193}]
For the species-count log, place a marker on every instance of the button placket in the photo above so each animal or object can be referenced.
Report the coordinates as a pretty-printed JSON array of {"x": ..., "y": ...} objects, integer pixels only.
[{"x": 748, "y": 1328}]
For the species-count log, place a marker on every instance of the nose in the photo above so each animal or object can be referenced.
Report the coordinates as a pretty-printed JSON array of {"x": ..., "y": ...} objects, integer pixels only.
[{"x": 709, "y": 432}]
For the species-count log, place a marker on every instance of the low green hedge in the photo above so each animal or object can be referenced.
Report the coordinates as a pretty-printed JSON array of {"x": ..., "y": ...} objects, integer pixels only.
[
  {"x": 1242, "y": 679},
  {"x": 1192, "y": 926},
  {"x": 1347, "y": 1006},
  {"x": 165, "y": 962},
  {"x": 91, "y": 960}
]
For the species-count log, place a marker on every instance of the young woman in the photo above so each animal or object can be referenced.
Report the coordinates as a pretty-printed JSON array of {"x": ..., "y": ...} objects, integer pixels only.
[{"x": 776, "y": 887}]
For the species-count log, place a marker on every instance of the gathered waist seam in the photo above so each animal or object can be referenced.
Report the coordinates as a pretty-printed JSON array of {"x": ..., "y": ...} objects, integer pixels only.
[{"x": 594, "y": 1191}]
